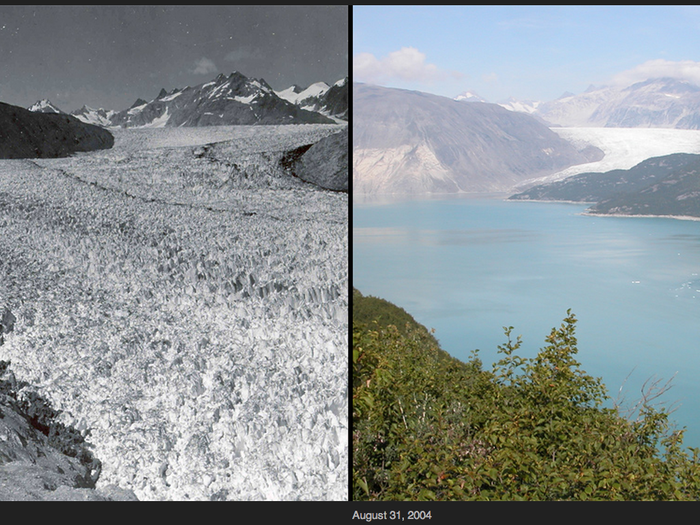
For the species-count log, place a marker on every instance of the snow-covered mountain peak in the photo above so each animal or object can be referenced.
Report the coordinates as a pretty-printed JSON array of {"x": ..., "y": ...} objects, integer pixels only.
[
  {"x": 44, "y": 106},
  {"x": 469, "y": 96},
  {"x": 99, "y": 117},
  {"x": 520, "y": 106},
  {"x": 661, "y": 102},
  {"x": 296, "y": 95}
]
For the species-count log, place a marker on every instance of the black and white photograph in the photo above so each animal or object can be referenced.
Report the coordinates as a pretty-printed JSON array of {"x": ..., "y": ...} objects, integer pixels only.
[{"x": 174, "y": 279}]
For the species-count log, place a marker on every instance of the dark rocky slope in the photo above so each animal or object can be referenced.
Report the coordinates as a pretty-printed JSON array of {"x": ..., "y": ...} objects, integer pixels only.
[
  {"x": 26, "y": 134},
  {"x": 335, "y": 101},
  {"x": 326, "y": 163},
  {"x": 40, "y": 458}
]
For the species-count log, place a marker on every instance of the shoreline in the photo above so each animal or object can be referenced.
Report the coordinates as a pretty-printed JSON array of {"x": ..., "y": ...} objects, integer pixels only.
[
  {"x": 676, "y": 217},
  {"x": 582, "y": 203},
  {"x": 498, "y": 196},
  {"x": 592, "y": 214}
]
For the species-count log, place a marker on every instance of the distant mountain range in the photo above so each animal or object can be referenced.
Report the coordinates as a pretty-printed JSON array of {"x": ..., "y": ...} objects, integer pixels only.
[
  {"x": 667, "y": 186},
  {"x": 232, "y": 100},
  {"x": 413, "y": 142},
  {"x": 654, "y": 103},
  {"x": 331, "y": 101}
]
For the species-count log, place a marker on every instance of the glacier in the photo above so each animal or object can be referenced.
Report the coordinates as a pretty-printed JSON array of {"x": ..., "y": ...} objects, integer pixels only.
[{"x": 623, "y": 147}]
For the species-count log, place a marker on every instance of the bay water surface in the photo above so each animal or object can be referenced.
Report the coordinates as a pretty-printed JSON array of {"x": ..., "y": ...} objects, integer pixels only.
[{"x": 468, "y": 266}]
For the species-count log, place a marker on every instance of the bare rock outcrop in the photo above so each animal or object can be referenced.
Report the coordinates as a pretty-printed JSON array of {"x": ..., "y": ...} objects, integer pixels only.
[
  {"x": 326, "y": 163},
  {"x": 40, "y": 459}
]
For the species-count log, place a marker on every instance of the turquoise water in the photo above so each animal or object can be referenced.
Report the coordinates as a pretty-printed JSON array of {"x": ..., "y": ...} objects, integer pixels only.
[{"x": 468, "y": 266}]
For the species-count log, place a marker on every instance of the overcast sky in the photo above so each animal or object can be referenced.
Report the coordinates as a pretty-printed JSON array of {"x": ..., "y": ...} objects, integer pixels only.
[
  {"x": 529, "y": 52},
  {"x": 108, "y": 56}
]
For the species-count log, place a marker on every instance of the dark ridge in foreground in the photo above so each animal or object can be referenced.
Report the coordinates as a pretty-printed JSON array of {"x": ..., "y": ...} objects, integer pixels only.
[{"x": 28, "y": 135}]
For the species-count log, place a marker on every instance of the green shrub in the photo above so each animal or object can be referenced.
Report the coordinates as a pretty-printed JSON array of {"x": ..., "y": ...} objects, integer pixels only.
[{"x": 429, "y": 427}]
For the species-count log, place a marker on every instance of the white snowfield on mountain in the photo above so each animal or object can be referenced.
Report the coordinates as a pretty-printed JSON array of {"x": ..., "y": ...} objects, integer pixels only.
[{"x": 314, "y": 90}]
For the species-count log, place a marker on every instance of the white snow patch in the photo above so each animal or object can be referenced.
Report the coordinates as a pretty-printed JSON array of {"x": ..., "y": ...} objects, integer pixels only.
[
  {"x": 520, "y": 106},
  {"x": 469, "y": 96},
  {"x": 259, "y": 86},
  {"x": 159, "y": 122},
  {"x": 217, "y": 90},
  {"x": 314, "y": 90},
  {"x": 171, "y": 97},
  {"x": 137, "y": 109},
  {"x": 246, "y": 100},
  {"x": 287, "y": 94}
]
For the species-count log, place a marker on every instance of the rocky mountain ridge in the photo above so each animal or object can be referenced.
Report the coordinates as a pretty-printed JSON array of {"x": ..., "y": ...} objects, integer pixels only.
[
  {"x": 231, "y": 100},
  {"x": 661, "y": 102},
  {"x": 656, "y": 102},
  {"x": 226, "y": 100}
]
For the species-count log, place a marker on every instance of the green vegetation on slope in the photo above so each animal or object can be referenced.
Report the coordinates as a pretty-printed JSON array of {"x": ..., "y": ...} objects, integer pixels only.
[
  {"x": 666, "y": 185},
  {"x": 430, "y": 427},
  {"x": 368, "y": 310},
  {"x": 598, "y": 187}
]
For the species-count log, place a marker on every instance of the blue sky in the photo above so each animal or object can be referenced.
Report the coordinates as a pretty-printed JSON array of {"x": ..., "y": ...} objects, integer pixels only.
[{"x": 528, "y": 52}]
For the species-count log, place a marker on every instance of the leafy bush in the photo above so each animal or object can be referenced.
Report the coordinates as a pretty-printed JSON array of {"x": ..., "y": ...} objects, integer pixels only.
[{"x": 430, "y": 428}]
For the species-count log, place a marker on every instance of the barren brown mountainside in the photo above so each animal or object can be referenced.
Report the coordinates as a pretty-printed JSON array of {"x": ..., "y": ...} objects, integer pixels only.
[{"x": 413, "y": 142}]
